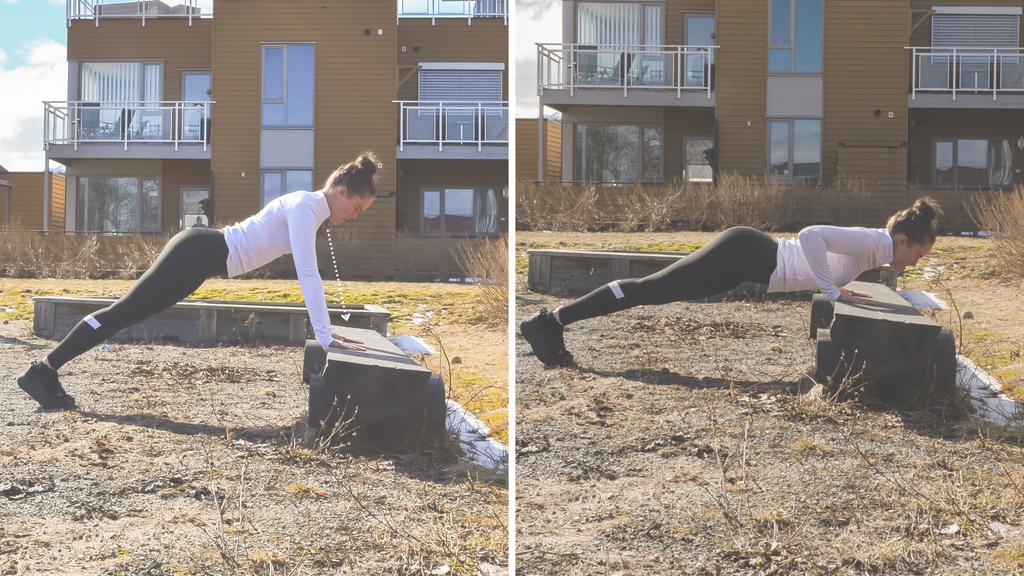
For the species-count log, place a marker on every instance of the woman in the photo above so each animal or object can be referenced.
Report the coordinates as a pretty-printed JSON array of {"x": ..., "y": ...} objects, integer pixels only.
[
  {"x": 822, "y": 257},
  {"x": 286, "y": 225}
]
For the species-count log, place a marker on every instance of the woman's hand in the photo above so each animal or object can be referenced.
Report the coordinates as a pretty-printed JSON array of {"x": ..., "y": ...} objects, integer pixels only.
[
  {"x": 347, "y": 343},
  {"x": 847, "y": 295}
]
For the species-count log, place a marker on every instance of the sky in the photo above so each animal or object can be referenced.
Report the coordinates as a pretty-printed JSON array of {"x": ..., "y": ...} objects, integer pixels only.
[
  {"x": 536, "y": 21},
  {"x": 33, "y": 68}
]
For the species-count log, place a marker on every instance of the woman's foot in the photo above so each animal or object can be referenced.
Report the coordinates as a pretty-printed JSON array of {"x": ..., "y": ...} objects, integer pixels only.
[
  {"x": 544, "y": 334},
  {"x": 41, "y": 383}
]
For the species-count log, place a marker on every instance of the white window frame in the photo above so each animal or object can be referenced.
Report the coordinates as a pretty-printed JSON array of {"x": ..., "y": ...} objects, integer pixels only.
[
  {"x": 81, "y": 211},
  {"x": 791, "y": 45},
  {"x": 640, "y": 153},
  {"x": 284, "y": 182},
  {"x": 445, "y": 233},
  {"x": 284, "y": 84},
  {"x": 956, "y": 161}
]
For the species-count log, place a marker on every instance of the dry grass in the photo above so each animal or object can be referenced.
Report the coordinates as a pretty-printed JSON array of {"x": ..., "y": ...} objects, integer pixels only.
[
  {"x": 1001, "y": 217},
  {"x": 486, "y": 262},
  {"x": 735, "y": 201},
  {"x": 60, "y": 256}
]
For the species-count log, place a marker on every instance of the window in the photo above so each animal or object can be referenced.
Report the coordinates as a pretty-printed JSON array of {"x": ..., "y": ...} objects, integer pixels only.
[
  {"x": 119, "y": 205},
  {"x": 195, "y": 119},
  {"x": 613, "y": 154},
  {"x": 276, "y": 183},
  {"x": 114, "y": 101},
  {"x": 698, "y": 30},
  {"x": 973, "y": 163},
  {"x": 288, "y": 85},
  {"x": 612, "y": 38},
  {"x": 458, "y": 96},
  {"x": 195, "y": 208},
  {"x": 794, "y": 151},
  {"x": 698, "y": 159},
  {"x": 459, "y": 212},
  {"x": 794, "y": 36}
]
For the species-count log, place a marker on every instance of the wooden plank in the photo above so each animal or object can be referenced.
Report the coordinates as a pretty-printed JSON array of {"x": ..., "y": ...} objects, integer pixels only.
[
  {"x": 889, "y": 337},
  {"x": 381, "y": 382}
]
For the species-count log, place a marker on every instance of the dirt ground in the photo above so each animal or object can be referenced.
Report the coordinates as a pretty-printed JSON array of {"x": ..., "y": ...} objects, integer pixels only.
[
  {"x": 686, "y": 439},
  {"x": 197, "y": 461}
]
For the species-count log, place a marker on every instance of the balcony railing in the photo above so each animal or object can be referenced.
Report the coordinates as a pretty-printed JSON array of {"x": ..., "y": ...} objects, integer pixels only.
[
  {"x": 468, "y": 9},
  {"x": 440, "y": 123},
  {"x": 98, "y": 9},
  {"x": 972, "y": 70},
  {"x": 640, "y": 67},
  {"x": 175, "y": 122}
]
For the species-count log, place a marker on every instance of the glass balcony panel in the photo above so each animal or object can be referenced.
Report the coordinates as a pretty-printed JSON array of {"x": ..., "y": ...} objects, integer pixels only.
[
  {"x": 496, "y": 125},
  {"x": 1011, "y": 72},
  {"x": 974, "y": 72},
  {"x": 421, "y": 123},
  {"x": 934, "y": 71},
  {"x": 459, "y": 124}
]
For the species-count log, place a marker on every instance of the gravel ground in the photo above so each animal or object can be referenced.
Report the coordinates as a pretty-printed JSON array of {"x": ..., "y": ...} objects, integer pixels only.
[
  {"x": 196, "y": 461},
  {"x": 686, "y": 440}
]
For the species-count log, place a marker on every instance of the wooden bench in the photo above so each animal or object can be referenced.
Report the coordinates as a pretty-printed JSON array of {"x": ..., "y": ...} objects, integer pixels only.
[
  {"x": 381, "y": 389},
  {"x": 889, "y": 343},
  {"x": 207, "y": 321}
]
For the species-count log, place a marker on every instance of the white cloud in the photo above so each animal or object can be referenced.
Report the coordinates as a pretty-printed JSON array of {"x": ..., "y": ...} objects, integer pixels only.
[
  {"x": 536, "y": 21},
  {"x": 44, "y": 77}
]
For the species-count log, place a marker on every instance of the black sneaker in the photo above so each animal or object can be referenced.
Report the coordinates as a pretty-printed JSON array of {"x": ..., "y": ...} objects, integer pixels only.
[
  {"x": 41, "y": 383},
  {"x": 544, "y": 334}
]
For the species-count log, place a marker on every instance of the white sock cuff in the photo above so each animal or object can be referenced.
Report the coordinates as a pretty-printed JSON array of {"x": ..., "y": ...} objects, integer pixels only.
[
  {"x": 617, "y": 290},
  {"x": 92, "y": 322}
]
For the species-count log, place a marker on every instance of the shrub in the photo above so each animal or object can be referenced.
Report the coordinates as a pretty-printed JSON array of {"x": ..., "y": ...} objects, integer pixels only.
[{"x": 1000, "y": 215}]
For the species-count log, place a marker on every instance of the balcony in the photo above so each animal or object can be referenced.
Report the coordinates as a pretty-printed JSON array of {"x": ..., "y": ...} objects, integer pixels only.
[
  {"x": 174, "y": 129},
  {"x": 967, "y": 77},
  {"x": 659, "y": 75},
  {"x": 468, "y": 9},
  {"x": 453, "y": 130},
  {"x": 98, "y": 9}
]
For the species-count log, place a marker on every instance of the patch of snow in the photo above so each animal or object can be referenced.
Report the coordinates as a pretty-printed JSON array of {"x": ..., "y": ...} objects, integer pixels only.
[
  {"x": 475, "y": 437},
  {"x": 987, "y": 395}
]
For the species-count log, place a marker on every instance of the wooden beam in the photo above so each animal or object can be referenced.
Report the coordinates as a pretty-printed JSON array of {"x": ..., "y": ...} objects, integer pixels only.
[
  {"x": 414, "y": 70},
  {"x": 927, "y": 13}
]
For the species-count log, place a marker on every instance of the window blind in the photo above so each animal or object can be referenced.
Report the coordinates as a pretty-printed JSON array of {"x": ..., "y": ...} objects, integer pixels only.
[
  {"x": 975, "y": 31},
  {"x": 460, "y": 86}
]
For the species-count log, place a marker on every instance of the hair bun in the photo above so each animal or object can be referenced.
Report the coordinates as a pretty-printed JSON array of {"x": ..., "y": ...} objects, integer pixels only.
[
  {"x": 927, "y": 207},
  {"x": 368, "y": 161}
]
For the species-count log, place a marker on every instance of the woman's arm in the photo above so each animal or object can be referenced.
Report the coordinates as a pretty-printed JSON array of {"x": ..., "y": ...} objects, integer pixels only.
[
  {"x": 302, "y": 227},
  {"x": 818, "y": 241}
]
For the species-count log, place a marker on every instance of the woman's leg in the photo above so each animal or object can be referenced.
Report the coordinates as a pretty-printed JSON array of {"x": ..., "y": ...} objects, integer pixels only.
[
  {"x": 735, "y": 256},
  {"x": 188, "y": 259}
]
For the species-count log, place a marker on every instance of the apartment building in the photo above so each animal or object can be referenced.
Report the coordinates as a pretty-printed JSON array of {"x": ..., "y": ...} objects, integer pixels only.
[
  {"x": 201, "y": 113},
  {"x": 907, "y": 96},
  {"x": 20, "y": 193}
]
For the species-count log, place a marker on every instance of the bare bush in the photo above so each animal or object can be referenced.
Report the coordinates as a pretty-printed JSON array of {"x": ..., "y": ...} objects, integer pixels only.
[
  {"x": 562, "y": 208},
  {"x": 759, "y": 203},
  {"x": 846, "y": 201},
  {"x": 486, "y": 261},
  {"x": 1001, "y": 217},
  {"x": 652, "y": 209}
]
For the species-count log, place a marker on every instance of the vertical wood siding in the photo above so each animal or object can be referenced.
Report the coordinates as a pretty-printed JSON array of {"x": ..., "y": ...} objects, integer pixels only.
[
  {"x": 27, "y": 200},
  {"x": 740, "y": 86},
  {"x": 552, "y": 150},
  {"x": 526, "y": 149},
  {"x": 356, "y": 77},
  {"x": 179, "y": 45},
  {"x": 865, "y": 66},
  {"x": 450, "y": 40}
]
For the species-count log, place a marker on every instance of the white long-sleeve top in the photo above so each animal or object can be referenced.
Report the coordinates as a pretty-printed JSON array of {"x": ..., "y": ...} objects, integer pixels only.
[
  {"x": 286, "y": 225},
  {"x": 826, "y": 257}
]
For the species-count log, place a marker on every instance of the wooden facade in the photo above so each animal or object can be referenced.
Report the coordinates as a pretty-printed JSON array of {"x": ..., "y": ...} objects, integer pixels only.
[
  {"x": 26, "y": 200},
  {"x": 872, "y": 132},
  {"x": 527, "y": 154},
  {"x": 360, "y": 68}
]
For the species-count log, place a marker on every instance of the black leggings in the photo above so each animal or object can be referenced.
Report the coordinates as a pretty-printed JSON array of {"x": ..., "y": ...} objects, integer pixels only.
[
  {"x": 188, "y": 259},
  {"x": 735, "y": 256}
]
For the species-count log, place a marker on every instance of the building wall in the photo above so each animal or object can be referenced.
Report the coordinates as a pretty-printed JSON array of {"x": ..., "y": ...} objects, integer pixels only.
[
  {"x": 355, "y": 83},
  {"x": 171, "y": 40},
  {"x": 930, "y": 124},
  {"x": 679, "y": 122},
  {"x": 417, "y": 174},
  {"x": 526, "y": 149},
  {"x": 27, "y": 200},
  {"x": 450, "y": 40},
  {"x": 740, "y": 85},
  {"x": 176, "y": 173},
  {"x": 922, "y": 35}
]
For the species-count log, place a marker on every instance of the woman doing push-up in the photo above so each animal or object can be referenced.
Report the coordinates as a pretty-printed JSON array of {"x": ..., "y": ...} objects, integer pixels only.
[{"x": 826, "y": 258}]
